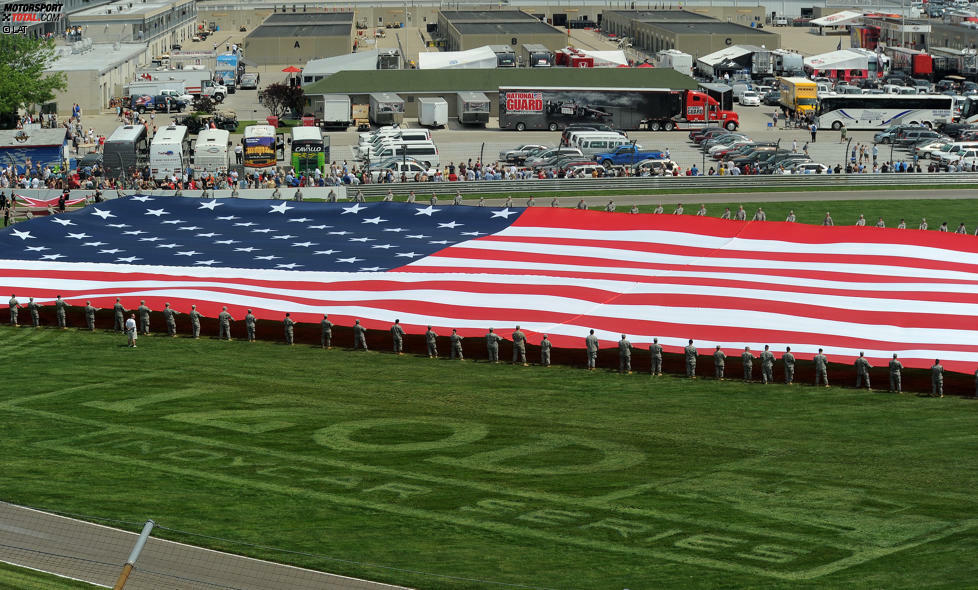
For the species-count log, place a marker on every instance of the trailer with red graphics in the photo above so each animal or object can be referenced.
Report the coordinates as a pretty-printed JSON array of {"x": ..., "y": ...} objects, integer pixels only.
[{"x": 654, "y": 109}]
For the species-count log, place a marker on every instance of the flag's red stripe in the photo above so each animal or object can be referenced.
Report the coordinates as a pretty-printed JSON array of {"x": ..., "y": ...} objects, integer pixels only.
[{"x": 702, "y": 252}]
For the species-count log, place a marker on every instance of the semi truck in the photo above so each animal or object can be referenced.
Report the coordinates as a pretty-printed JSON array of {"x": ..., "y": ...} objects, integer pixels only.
[
  {"x": 655, "y": 109},
  {"x": 196, "y": 82},
  {"x": 798, "y": 95}
]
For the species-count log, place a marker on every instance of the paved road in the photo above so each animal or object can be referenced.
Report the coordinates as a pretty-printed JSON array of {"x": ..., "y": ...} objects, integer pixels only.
[{"x": 96, "y": 554}]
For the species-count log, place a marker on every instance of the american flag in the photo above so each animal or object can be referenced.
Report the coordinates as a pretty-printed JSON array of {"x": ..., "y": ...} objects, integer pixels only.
[{"x": 559, "y": 272}]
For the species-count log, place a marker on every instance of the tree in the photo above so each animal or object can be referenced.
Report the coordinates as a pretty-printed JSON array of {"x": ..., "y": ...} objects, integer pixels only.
[
  {"x": 280, "y": 99},
  {"x": 23, "y": 81},
  {"x": 204, "y": 105}
]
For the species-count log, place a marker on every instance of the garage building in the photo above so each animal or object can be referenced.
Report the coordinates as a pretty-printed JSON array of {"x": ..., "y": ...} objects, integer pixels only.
[
  {"x": 468, "y": 29},
  {"x": 286, "y": 38}
]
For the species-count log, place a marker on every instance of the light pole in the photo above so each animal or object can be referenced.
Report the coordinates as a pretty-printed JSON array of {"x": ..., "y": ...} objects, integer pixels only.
[{"x": 845, "y": 155}]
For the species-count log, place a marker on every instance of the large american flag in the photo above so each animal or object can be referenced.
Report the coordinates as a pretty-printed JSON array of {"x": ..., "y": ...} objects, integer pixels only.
[{"x": 554, "y": 271}]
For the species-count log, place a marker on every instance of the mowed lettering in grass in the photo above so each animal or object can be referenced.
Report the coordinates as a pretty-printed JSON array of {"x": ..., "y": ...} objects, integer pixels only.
[{"x": 629, "y": 521}]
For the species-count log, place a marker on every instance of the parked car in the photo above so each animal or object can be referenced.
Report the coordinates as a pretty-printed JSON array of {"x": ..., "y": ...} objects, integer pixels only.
[
  {"x": 925, "y": 148},
  {"x": 547, "y": 156},
  {"x": 912, "y": 136},
  {"x": 750, "y": 99},
  {"x": 520, "y": 153},
  {"x": 890, "y": 133},
  {"x": 248, "y": 81},
  {"x": 772, "y": 98},
  {"x": 654, "y": 167},
  {"x": 807, "y": 168},
  {"x": 409, "y": 168}
]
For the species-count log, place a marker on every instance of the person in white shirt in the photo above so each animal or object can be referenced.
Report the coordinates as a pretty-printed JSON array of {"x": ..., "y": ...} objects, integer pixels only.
[{"x": 131, "y": 330}]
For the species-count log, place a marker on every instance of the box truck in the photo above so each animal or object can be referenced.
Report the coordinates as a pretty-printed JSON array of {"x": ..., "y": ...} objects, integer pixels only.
[
  {"x": 473, "y": 108},
  {"x": 337, "y": 111},
  {"x": 432, "y": 111}
]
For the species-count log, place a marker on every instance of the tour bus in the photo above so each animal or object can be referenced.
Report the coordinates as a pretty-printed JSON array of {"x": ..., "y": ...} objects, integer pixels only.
[
  {"x": 259, "y": 146},
  {"x": 969, "y": 111},
  {"x": 310, "y": 150},
  {"x": 879, "y": 111},
  {"x": 211, "y": 152},
  {"x": 125, "y": 151},
  {"x": 169, "y": 154}
]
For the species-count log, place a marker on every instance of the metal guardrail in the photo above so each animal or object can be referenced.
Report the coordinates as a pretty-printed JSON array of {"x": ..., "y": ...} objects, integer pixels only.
[{"x": 712, "y": 183}]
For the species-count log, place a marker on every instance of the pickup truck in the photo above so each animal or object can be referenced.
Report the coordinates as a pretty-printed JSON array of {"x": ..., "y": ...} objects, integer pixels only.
[
  {"x": 157, "y": 103},
  {"x": 626, "y": 155},
  {"x": 185, "y": 99}
]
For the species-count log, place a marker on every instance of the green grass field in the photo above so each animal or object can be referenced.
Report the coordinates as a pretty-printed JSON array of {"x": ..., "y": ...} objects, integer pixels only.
[
  {"x": 17, "y": 577},
  {"x": 554, "y": 478}
]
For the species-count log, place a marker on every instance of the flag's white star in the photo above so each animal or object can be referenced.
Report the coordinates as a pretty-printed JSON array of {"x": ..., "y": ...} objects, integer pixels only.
[
  {"x": 338, "y": 233},
  {"x": 189, "y": 253},
  {"x": 300, "y": 219},
  {"x": 128, "y": 259},
  {"x": 442, "y": 242},
  {"x": 290, "y": 265},
  {"x": 361, "y": 240},
  {"x": 319, "y": 226},
  {"x": 36, "y": 248},
  {"x": 170, "y": 246},
  {"x": 80, "y": 236},
  {"x": 103, "y": 214},
  {"x": 356, "y": 208},
  {"x": 451, "y": 225},
  {"x": 382, "y": 246},
  {"x": 61, "y": 221},
  {"x": 206, "y": 262},
  {"x": 143, "y": 198},
  {"x": 247, "y": 249},
  {"x": 472, "y": 233},
  {"x": 134, "y": 232},
  {"x": 227, "y": 217},
  {"x": 208, "y": 235},
  {"x": 350, "y": 260},
  {"x": 505, "y": 213},
  {"x": 156, "y": 212},
  {"x": 245, "y": 224},
  {"x": 374, "y": 220},
  {"x": 211, "y": 205},
  {"x": 369, "y": 268},
  {"x": 172, "y": 222},
  {"x": 24, "y": 235},
  {"x": 51, "y": 256},
  {"x": 284, "y": 237},
  {"x": 227, "y": 242},
  {"x": 120, "y": 225},
  {"x": 150, "y": 239},
  {"x": 407, "y": 254},
  {"x": 303, "y": 244},
  {"x": 426, "y": 211},
  {"x": 326, "y": 251},
  {"x": 269, "y": 257},
  {"x": 417, "y": 236},
  {"x": 261, "y": 231},
  {"x": 112, "y": 251},
  {"x": 395, "y": 229},
  {"x": 94, "y": 243},
  {"x": 189, "y": 228},
  {"x": 281, "y": 208}
]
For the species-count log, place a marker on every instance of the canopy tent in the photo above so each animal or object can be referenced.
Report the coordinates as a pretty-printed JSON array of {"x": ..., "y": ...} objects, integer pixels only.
[
  {"x": 606, "y": 59},
  {"x": 844, "y": 59},
  {"x": 480, "y": 58},
  {"x": 846, "y": 17},
  {"x": 727, "y": 59}
]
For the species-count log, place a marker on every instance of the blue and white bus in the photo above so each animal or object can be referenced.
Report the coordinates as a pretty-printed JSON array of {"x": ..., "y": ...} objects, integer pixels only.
[{"x": 879, "y": 111}]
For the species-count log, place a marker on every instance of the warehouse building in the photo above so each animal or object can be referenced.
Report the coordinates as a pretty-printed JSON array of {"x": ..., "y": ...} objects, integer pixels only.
[
  {"x": 638, "y": 25},
  {"x": 160, "y": 24},
  {"x": 413, "y": 84},
  {"x": 467, "y": 29},
  {"x": 295, "y": 38},
  {"x": 701, "y": 38},
  {"x": 95, "y": 73}
]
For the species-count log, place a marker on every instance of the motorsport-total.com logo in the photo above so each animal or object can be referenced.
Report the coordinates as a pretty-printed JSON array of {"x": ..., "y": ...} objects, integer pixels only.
[{"x": 18, "y": 17}]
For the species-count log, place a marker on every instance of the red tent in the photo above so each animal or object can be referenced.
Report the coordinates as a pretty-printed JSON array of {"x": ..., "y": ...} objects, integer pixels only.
[
  {"x": 292, "y": 70},
  {"x": 646, "y": 65}
]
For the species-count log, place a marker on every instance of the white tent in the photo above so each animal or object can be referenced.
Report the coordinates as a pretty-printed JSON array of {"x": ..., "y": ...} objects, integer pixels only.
[
  {"x": 606, "y": 59},
  {"x": 846, "y": 17},
  {"x": 844, "y": 59},
  {"x": 706, "y": 63},
  {"x": 480, "y": 58}
]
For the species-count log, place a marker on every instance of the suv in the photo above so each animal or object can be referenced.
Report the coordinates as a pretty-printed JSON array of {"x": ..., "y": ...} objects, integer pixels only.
[
  {"x": 912, "y": 136},
  {"x": 889, "y": 134}
]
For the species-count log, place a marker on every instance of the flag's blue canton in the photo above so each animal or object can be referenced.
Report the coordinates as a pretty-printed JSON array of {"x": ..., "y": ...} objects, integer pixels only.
[{"x": 241, "y": 233}]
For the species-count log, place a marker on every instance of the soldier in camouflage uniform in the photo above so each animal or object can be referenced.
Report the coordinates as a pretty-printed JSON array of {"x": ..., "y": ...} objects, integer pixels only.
[
  {"x": 14, "y": 306},
  {"x": 169, "y": 315},
  {"x": 34, "y": 309},
  {"x": 90, "y": 316},
  {"x": 748, "y": 361},
  {"x": 326, "y": 327},
  {"x": 224, "y": 320},
  {"x": 862, "y": 371},
  {"x": 591, "y": 343},
  {"x": 690, "y": 354},
  {"x": 896, "y": 375},
  {"x": 144, "y": 318},
  {"x": 431, "y": 339},
  {"x": 194, "y": 322},
  {"x": 789, "y": 366},
  {"x": 119, "y": 313},
  {"x": 545, "y": 347},
  {"x": 456, "y": 343},
  {"x": 397, "y": 334},
  {"x": 624, "y": 355},
  {"x": 767, "y": 365},
  {"x": 289, "y": 324},
  {"x": 937, "y": 379},
  {"x": 719, "y": 363},
  {"x": 492, "y": 346},
  {"x": 821, "y": 369},
  {"x": 60, "y": 309},
  {"x": 359, "y": 336},
  {"x": 519, "y": 347},
  {"x": 250, "y": 322},
  {"x": 655, "y": 351}
]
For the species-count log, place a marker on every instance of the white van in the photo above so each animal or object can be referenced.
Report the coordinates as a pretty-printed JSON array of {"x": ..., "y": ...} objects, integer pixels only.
[
  {"x": 739, "y": 88},
  {"x": 426, "y": 153},
  {"x": 575, "y": 136},
  {"x": 599, "y": 144},
  {"x": 364, "y": 150},
  {"x": 405, "y": 134}
]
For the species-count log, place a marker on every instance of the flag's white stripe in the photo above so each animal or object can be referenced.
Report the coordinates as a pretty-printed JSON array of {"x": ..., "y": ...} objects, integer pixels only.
[
  {"x": 450, "y": 295},
  {"x": 867, "y": 248},
  {"x": 555, "y": 251},
  {"x": 497, "y": 318},
  {"x": 723, "y": 318}
]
